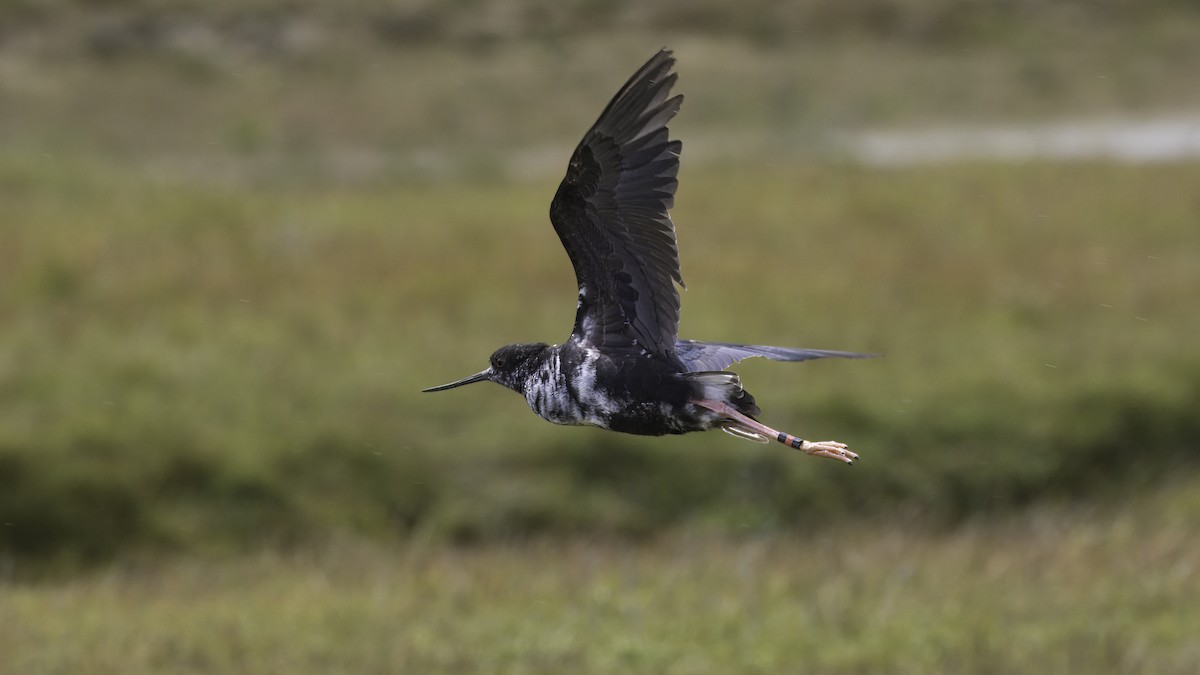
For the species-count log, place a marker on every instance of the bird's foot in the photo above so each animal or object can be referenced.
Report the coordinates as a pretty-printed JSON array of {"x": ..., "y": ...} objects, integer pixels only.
[{"x": 830, "y": 449}]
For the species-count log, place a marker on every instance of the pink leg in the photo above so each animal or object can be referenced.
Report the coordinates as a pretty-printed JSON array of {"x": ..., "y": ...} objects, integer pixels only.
[{"x": 830, "y": 449}]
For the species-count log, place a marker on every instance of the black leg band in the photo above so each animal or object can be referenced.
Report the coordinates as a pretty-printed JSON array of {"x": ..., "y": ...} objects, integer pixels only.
[{"x": 794, "y": 442}]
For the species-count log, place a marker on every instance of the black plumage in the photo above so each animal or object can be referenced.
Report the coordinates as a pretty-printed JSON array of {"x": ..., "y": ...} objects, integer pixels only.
[
  {"x": 611, "y": 213},
  {"x": 624, "y": 367}
]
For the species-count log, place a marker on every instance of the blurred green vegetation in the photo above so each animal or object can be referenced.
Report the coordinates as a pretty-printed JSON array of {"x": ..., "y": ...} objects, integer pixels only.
[
  {"x": 403, "y": 86},
  {"x": 1098, "y": 590},
  {"x": 236, "y": 240},
  {"x": 192, "y": 366}
]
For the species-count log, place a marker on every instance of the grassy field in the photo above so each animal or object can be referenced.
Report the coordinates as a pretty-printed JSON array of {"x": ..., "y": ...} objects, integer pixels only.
[
  {"x": 194, "y": 366},
  {"x": 417, "y": 89},
  {"x": 1114, "y": 589},
  {"x": 237, "y": 239}
]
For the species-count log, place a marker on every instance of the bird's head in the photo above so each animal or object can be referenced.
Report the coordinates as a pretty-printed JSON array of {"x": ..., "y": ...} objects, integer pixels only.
[{"x": 511, "y": 366}]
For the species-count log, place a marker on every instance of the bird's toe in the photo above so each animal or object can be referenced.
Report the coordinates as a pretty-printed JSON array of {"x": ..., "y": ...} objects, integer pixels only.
[{"x": 830, "y": 449}]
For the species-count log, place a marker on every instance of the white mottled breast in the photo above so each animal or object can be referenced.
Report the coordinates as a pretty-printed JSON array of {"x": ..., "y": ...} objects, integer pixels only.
[
  {"x": 594, "y": 403},
  {"x": 564, "y": 395}
]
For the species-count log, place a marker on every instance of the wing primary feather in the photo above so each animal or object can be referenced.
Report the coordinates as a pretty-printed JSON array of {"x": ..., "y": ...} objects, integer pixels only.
[{"x": 611, "y": 212}]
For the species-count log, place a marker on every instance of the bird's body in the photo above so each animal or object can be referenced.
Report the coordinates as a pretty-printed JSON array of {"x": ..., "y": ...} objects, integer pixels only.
[
  {"x": 575, "y": 383},
  {"x": 624, "y": 367}
]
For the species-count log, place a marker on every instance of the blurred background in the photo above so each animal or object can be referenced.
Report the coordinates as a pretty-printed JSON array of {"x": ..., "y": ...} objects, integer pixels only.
[{"x": 237, "y": 239}]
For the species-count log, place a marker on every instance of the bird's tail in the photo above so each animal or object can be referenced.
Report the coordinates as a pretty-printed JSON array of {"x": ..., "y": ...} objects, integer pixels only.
[{"x": 717, "y": 385}]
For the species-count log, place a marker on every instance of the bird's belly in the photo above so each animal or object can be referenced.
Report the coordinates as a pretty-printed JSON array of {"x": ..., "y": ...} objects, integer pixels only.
[
  {"x": 599, "y": 410},
  {"x": 658, "y": 419}
]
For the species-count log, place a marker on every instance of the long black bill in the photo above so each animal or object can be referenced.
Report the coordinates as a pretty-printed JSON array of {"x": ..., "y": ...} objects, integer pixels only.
[{"x": 477, "y": 377}]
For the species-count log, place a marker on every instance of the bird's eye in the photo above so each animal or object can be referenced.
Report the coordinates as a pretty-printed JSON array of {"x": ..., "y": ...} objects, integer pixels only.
[{"x": 498, "y": 362}]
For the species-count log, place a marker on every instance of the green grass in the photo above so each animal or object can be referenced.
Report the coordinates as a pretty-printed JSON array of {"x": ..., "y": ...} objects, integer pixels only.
[
  {"x": 236, "y": 240},
  {"x": 195, "y": 366},
  {"x": 1098, "y": 590},
  {"x": 239, "y": 239},
  {"x": 412, "y": 87}
]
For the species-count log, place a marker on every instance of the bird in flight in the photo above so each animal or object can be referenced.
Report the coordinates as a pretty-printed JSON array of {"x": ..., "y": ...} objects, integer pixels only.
[{"x": 624, "y": 368}]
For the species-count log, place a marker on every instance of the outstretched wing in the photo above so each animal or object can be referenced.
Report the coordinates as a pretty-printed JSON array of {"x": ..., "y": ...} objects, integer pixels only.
[
  {"x": 611, "y": 214},
  {"x": 697, "y": 356}
]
